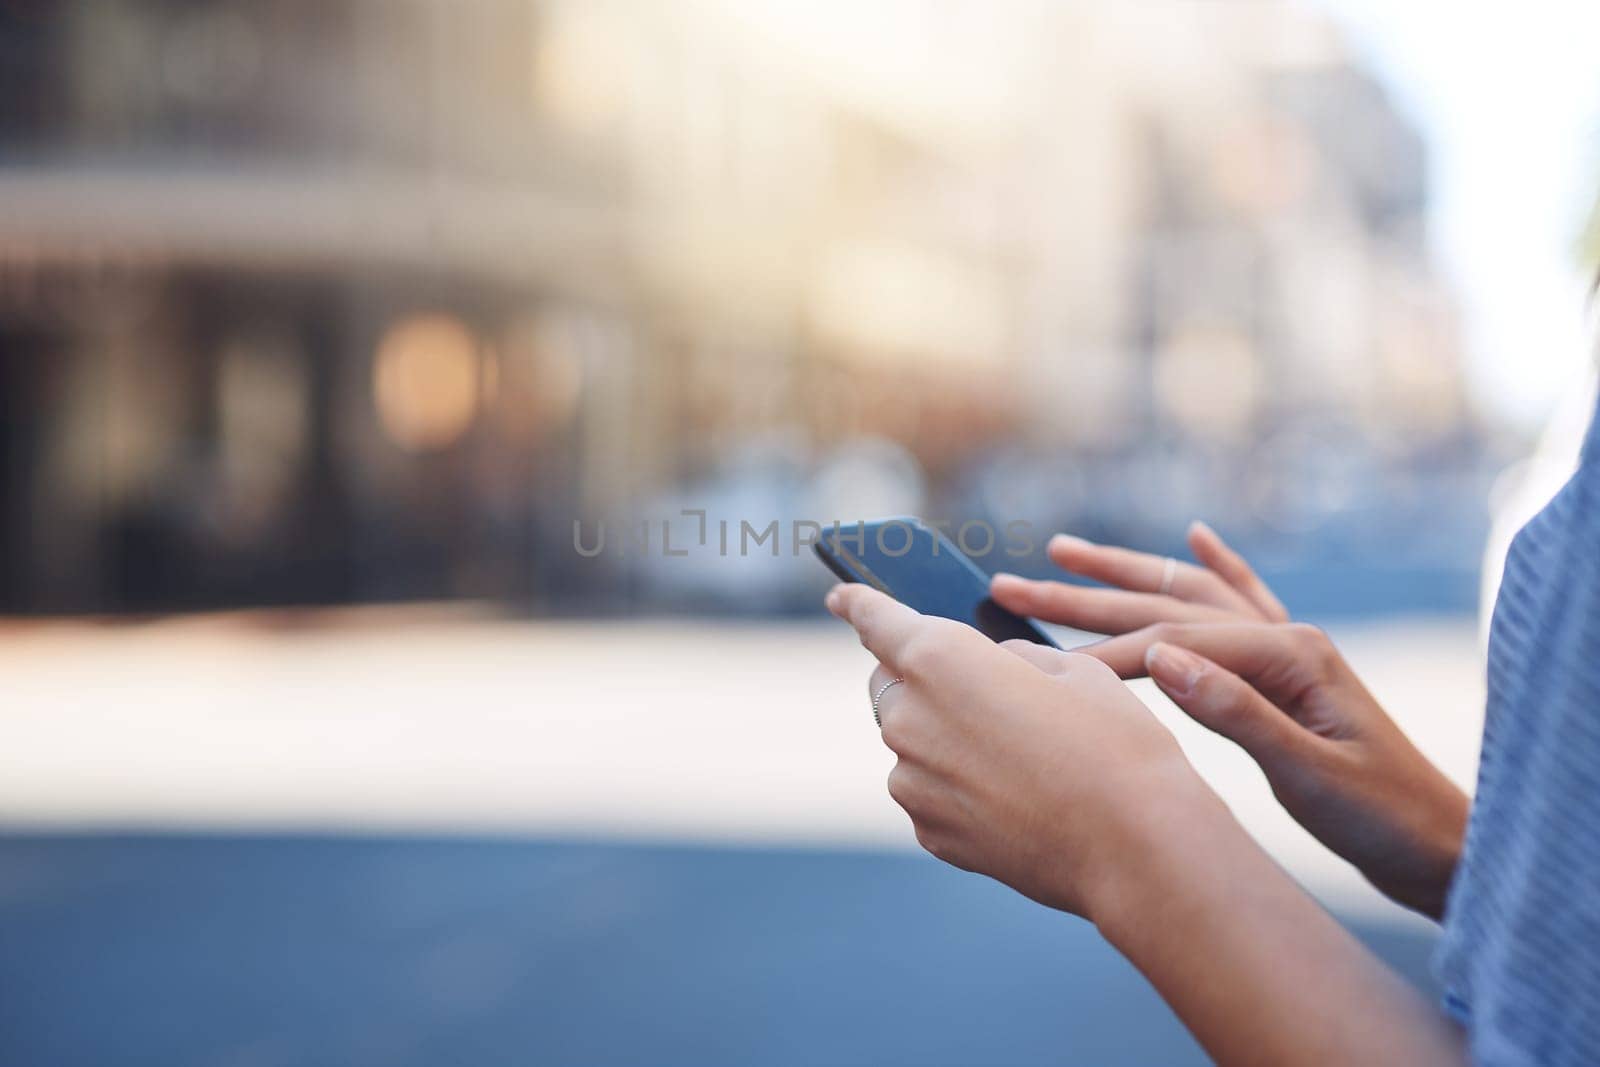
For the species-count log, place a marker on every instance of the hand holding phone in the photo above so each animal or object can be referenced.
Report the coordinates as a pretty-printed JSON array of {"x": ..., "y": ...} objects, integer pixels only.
[{"x": 923, "y": 569}]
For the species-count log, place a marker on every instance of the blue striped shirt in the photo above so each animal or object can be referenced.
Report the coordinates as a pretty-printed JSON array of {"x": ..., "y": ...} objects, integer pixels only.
[{"x": 1520, "y": 956}]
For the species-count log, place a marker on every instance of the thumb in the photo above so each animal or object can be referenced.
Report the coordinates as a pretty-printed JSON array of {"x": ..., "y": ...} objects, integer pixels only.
[{"x": 1221, "y": 701}]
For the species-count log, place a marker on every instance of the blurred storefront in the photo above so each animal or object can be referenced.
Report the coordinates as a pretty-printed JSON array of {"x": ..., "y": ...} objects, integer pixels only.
[{"x": 327, "y": 302}]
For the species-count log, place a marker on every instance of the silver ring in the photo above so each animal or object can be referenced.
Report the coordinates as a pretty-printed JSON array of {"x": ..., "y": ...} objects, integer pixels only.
[
  {"x": 1169, "y": 571},
  {"x": 878, "y": 696}
]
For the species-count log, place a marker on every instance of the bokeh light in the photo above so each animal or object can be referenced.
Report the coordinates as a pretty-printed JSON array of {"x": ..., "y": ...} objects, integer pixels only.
[{"x": 425, "y": 381}]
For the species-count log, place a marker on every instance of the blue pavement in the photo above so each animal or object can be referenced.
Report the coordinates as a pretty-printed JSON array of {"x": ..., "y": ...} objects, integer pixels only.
[{"x": 262, "y": 951}]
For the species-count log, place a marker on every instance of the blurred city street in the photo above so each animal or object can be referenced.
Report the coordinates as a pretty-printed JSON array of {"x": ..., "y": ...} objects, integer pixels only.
[
  {"x": 512, "y": 842},
  {"x": 676, "y": 730},
  {"x": 414, "y": 416}
]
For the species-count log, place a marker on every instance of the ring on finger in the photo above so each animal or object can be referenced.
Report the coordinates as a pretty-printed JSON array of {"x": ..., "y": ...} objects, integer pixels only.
[
  {"x": 877, "y": 698},
  {"x": 1169, "y": 571}
]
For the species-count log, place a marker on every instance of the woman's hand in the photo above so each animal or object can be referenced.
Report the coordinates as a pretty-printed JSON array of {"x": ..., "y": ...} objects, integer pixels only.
[
  {"x": 1334, "y": 759},
  {"x": 1039, "y": 768},
  {"x": 1222, "y": 588},
  {"x": 1034, "y": 766}
]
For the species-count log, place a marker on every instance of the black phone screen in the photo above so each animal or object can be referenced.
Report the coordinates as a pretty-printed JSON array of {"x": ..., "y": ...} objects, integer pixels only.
[{"x": 923, "y": 569}]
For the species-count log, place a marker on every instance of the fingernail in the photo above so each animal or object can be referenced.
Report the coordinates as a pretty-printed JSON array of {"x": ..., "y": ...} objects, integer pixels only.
[
  {"x": 1177, "y": 669},
  {"x": 1014, "y": 589},
  {"x": 834, "y": 598},
  {"x": 1199, "y": 526},
  {"x": 1065, "y": 540}
]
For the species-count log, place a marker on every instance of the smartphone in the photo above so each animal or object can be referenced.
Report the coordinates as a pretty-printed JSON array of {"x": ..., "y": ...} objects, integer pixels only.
[{"x": 923, "y": 569}]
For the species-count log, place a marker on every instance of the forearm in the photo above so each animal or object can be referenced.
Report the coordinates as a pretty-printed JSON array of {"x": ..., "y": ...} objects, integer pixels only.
[{"x": 1252, "y": 965}]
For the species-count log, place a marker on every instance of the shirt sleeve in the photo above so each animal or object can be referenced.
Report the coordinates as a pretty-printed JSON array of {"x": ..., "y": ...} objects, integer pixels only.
[{"x": 1520, "y": 955}]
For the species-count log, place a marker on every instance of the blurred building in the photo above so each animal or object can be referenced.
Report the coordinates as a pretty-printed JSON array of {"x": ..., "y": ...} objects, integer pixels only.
[{"x": 372, "y": 299}]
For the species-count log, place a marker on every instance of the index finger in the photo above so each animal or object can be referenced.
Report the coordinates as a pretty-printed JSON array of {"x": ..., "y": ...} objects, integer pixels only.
[
  {"x": 885, "y": 624},
  {"x": 1262, "y": 653}
]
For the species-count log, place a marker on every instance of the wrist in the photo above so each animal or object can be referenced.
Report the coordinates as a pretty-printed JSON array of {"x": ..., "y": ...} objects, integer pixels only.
[
  {"x": 1439, "y": 840},
  {"x": 1254, "y": 967},
  {"x": 1150, "y": 844}
]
